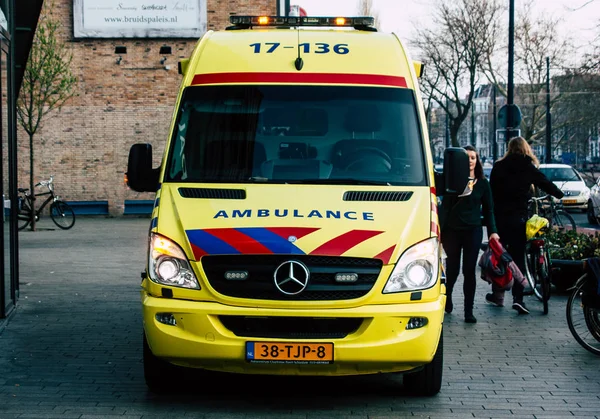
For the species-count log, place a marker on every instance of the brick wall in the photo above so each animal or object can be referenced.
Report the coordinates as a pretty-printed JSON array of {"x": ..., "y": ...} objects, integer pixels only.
[{"x": 85, "y": 144}]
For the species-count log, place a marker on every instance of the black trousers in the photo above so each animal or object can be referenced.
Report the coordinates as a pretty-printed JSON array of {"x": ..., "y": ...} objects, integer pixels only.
[
  {"x": 513, "y": 238},
  {"x": 467, "y": 242}
]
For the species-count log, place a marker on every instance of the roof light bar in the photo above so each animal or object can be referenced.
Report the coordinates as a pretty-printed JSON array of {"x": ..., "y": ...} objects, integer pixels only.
[{"x": 301, "y": 21}]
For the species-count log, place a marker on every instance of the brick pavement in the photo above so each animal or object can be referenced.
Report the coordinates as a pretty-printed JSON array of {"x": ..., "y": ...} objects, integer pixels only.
[{"x": 73, "y": 350}]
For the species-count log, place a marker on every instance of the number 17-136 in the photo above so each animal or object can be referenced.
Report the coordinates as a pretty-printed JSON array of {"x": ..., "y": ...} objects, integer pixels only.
[{"x": 317, "y": 48}]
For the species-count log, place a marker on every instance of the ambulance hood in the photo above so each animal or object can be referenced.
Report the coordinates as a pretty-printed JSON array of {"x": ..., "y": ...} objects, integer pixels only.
[{"x": 334, "y": 220}]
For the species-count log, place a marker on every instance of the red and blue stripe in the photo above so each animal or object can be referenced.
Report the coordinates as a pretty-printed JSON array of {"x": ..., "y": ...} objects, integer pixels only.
[{"x": 274, "y": 240}]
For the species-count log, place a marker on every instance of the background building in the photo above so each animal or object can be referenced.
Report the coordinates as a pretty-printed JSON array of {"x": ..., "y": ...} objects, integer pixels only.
[{"x": 125, "y": 56}]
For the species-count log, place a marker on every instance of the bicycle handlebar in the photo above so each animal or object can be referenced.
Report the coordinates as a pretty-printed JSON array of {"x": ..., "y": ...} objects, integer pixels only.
[
  {"x": 46, "y": 182},
  {"x": 540, "y": 198}
]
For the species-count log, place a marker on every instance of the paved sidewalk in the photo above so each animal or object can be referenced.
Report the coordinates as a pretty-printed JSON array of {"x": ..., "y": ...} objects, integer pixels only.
[{"x": 73, "y": 350}]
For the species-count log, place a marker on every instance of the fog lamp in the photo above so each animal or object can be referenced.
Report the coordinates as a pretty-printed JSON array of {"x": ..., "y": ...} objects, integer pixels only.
[
  {"x": 166, "y": 318},
  {"x": 416, "y": 323}
]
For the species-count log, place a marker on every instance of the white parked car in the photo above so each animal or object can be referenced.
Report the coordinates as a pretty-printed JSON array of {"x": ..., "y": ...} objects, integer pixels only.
[
  {"x": 593, "y": 211},
  {"x": 577, "y": 194}
]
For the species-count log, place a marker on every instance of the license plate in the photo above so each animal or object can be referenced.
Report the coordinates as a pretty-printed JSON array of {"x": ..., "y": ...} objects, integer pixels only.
[
  {"x": 289, "y": 353},
  {"x": 569, "y": 201}
]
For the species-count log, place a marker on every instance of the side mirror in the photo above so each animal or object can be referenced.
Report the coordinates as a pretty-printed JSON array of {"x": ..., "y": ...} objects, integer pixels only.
[
  {"x": 183, "y": 65},
  {"x": 456, "y": 172},
  {"x": 419, "y": 67},
  {"x": 140, "y": 175}
]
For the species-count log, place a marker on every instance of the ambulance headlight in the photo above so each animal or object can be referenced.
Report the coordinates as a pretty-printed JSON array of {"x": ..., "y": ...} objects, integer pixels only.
[
  {"x": 417, "y": 268},
  {"x": 168, "y": 265}
]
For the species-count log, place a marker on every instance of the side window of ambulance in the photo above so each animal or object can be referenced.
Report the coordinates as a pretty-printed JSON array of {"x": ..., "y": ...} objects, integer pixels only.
[{"x": 178, "y": 167}]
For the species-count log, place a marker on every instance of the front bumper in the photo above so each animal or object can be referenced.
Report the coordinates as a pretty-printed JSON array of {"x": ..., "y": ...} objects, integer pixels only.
[
  {"x": 574, "y": 202},
  {"x": 380, "y": 344}
]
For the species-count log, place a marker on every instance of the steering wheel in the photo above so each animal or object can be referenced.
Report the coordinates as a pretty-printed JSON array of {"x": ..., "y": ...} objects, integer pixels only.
[{"x": 368, "y": 159}]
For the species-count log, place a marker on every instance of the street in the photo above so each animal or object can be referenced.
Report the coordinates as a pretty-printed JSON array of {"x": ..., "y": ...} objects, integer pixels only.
[
  {"x": 73, "y": 350},
  {"x": 582, "y": 221}
]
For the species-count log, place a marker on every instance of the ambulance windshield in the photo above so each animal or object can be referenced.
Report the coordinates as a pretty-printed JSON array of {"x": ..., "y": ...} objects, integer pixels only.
[{"x": 297, "y": 134}]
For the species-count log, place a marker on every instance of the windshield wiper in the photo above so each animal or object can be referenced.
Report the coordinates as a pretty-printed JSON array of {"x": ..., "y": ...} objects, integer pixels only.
[
  {"x": 253, "y": 179},
  {"x": 340, "y": 181},
  {"x": 334, "y": 181}
]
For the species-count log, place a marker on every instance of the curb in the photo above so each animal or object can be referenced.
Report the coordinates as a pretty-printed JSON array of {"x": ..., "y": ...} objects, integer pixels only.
[
  {"x": 587, "y": 230},
  {"x": 4, "y": 322}
]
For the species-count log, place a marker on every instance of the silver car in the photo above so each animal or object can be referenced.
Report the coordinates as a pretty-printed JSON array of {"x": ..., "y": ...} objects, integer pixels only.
[
  {"x": 593, "y": 211},
  {"x": 568, "y": 180}
]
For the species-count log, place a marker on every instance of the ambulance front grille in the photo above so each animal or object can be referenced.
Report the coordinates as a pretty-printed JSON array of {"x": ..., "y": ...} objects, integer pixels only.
[
  {"x": 212, "y": 193},
  {"x": 260, "y": 284},
  {"x": 291, "y": 327},
  {"x": 395, "y": 196}
]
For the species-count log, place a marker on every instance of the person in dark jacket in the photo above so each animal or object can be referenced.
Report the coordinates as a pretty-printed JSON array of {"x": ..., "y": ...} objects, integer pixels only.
[
  {"x": 511, "y": 179},
  {"x": 460, "y": 219}
]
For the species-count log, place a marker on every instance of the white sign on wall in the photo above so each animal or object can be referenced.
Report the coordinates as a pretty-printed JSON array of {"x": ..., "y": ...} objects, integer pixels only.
[
  {"x": 139, "y": 18},
  {"x": 3, "y": 21}
]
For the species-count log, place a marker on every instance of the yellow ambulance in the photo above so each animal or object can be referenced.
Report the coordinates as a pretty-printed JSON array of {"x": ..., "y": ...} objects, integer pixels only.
[{"x": 295, "y": 226}]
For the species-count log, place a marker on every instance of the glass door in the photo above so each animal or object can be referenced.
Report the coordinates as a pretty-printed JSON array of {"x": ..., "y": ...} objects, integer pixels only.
[{"x": 7, "y": 288}]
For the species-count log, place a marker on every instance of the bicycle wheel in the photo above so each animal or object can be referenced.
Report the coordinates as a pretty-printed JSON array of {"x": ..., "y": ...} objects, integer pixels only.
[
  {"x": 543, "y": 284},
  {"x": 24, "y": 215},
  {"x": 530, "y": 270},
  {"x": 584, "y": 320},
  {"x": 62, "y": 214},
  {"x": 564, "y": 221}
]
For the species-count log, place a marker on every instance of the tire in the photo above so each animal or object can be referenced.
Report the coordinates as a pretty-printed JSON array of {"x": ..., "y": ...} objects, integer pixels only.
[
  {"x": 530, "y": 271},
  {"x": 583, "y": 320},
  {"x": 160, "y": 376},
  {"x": 24, "y": 215},
  {"x": 591, "y": 216},
  {"x": 23, "y": 219},
  {"x": 543, "y": 281},
  {"x": 62, "y": 215},
  {"x": 427, "y": 381},
  {"x": 564, "y": 221}
]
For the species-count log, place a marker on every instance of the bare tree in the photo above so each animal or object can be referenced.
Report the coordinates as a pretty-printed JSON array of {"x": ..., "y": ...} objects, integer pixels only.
[
  {"x": 47, "y": 84},
  {"x": 576, "y": 110},
  {"x": 535, "y": 39},
  {"x": 463, "y": 33},
  {"x": 365, "y": 8}
]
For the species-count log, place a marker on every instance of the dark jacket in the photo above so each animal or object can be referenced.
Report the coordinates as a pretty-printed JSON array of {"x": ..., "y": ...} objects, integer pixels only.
[
  {"x": 511, "y": 181},
  {"x": 466, "y": 212}
]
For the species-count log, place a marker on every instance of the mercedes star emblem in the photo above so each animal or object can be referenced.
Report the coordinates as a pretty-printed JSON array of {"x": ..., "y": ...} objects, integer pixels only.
[{"x": 291, "y": 277}]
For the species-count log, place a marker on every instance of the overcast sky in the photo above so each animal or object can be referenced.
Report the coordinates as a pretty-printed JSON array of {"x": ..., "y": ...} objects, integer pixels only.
[{"x": 401, "y": 16}]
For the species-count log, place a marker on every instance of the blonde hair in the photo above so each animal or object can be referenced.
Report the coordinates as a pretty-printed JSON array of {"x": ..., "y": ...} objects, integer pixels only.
[{"x": 518, "y": 145}]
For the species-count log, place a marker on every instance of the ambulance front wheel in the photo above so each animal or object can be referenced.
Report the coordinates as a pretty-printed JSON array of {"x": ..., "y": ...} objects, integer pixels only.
[
  {"x": 161, "y": 377},
  {"x": 427, "y": 381}
]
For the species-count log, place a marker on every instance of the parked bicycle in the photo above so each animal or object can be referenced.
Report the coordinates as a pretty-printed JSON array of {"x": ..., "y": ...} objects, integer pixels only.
[
  {"x": 546, "y": 206},
  {"x": 60, "y": 212},
  {"x": 537, "y": 260},
  {"x": 583, "y": 311}
]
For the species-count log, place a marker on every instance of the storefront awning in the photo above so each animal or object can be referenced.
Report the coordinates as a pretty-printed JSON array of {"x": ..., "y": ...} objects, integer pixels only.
[{"x": 27, "y": 13}]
